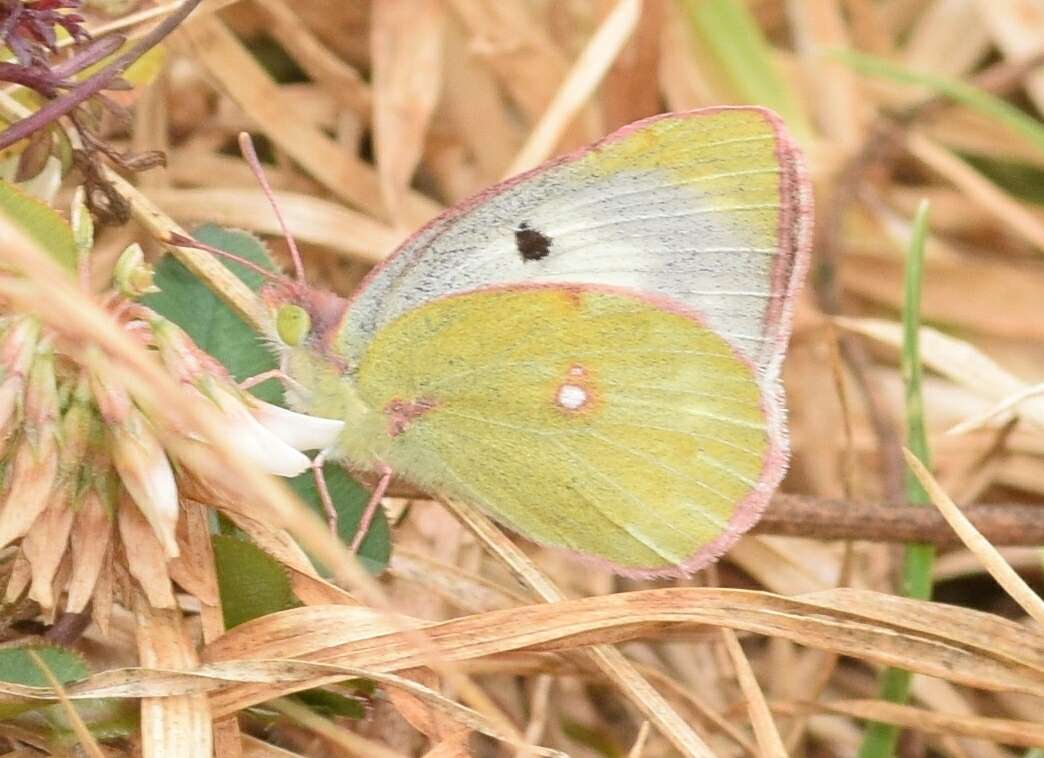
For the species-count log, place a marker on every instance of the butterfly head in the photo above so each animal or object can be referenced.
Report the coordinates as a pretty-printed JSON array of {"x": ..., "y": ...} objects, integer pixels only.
[
  {"x": 304, "y": 317},
  {"x": 305, "y": 324}
]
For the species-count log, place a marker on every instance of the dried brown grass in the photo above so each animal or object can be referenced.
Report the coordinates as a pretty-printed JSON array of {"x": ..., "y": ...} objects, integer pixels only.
[{"x": 454, "y": 95}]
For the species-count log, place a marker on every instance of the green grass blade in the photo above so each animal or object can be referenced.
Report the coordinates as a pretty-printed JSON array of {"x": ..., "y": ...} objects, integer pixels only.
[
  {"x": 735, "y": 40},
  {"x": 880, "y": 739},
  {"x": 971, "y": 97}
]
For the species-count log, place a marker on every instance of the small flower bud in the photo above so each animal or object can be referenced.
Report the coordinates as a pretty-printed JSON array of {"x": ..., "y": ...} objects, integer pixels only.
[
  {"x": 76, "y": 429},
  {"x": 35, "y": 465},
  {"x": 132, "y": 274},
  {"x": 17, "y": 348},
  {"x": 41, "y": 398},
  {"x": 92, "y": 531},
  {"x": 32, "y": 478},
  {"x": 182, "y": 357},
  {"x": 111, "y": 397},
  {"x": 147, "y": 475},
  {"x": 81, "y": 222}
]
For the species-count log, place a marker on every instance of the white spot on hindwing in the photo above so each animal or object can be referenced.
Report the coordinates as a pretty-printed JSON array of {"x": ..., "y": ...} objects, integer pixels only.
[{"x": 572, "y": 397}]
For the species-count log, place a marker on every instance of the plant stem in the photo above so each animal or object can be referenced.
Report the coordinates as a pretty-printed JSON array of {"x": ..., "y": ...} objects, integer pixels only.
[
  {"x": 880, "y": 739},
  {"x": 95, "y": 83}
]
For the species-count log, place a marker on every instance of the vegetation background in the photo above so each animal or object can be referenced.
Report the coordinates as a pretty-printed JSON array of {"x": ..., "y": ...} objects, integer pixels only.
[{"x": 373, "y": 116}]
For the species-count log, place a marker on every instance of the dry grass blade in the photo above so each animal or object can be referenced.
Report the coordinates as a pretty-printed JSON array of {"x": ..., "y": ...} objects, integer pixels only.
[
  {"x": 517, "y": 48},
  {"x": 1007, "y": 210},
  {"x": 1003, "y": 407},
  {"x": 639, "y": 742},
  {"x": 994, "y": 562},
  {"x": 406, "y": 42},
  {"x": 957, "y": 359},
  {"x": 83, "y": 735},
  {"x": 650, "y": 702},
  {"x": 583, "y": 78},
  {"x": 336, "y": 76},
  {"x": 252, "y": 88},
  {"x": 769, "y": 741},
  {"x": 1004, "y": 731},
  {"x": 178, "y": 725},
  {"x": 968, "y": 647},
  {"x": 310, "y": 219}
]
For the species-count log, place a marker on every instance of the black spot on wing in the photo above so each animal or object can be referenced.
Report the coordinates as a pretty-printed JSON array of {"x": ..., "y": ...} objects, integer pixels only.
[{"x": 532, "y": 245}]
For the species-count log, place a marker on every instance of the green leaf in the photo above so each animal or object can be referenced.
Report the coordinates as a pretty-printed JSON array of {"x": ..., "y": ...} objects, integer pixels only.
[
  {"x": 252, "y": 583},
  {"x": 214, "y": 326},
  {"x": 971, "y": 97},
  {"x": 880, "y": 739},
  {"x": 349, "y": 499},
  {"x": 595, "y": 740},
  {"x": 40, "y": 222},
  {"x": 106, "y": 719},
  {"x": 217, "y": 329},
  {"x": 332, "y": 704},
  {"x": 18, "y": 666},
  {"x": 727, "y": 30}
]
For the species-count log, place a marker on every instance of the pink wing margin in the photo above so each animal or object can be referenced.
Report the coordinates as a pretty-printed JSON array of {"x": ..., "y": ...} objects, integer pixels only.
[
  {"x": 792, "y": 262},
  {"x": 788, "y": 276}
]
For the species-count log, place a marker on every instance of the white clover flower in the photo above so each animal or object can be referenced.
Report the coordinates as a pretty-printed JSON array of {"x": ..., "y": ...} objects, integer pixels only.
[{"x": 255, "y": 441}]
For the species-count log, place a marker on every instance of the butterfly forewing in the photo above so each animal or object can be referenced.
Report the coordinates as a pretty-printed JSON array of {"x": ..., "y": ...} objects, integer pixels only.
[{"x": 706, "y": 208}]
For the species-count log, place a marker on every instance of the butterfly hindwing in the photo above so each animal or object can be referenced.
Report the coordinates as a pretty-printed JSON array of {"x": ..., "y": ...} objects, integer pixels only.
[{"x": 589, "y": 419}]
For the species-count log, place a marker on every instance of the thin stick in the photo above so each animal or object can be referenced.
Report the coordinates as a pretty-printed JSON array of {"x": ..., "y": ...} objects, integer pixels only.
[
  {"x": 820, "y": 518},
  {"x": 987, "y": 554}
]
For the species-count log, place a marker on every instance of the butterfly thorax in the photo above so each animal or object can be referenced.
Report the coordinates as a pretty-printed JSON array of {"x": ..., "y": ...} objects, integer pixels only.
[
  {"x": 322, "y": 382},
  {"x": 323, "y": 388}
]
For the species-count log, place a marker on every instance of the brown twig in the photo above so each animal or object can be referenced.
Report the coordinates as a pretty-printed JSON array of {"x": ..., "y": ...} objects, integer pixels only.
[
  {"x": 820, "y": 518},
  {"x": 68, "y": 628},
  {"x": 1003, "y": 524}
]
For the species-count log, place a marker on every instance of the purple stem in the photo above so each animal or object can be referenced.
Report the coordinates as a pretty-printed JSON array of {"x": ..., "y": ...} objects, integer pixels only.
[
  {"x": 90, "y": 55},
  {"x": 94, "y": 84},
  {"x": 35, "y": 77}
]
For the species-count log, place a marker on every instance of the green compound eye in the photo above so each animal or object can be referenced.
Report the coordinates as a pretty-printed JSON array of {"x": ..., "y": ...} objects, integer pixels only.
[{"x": 292, "y": 324}]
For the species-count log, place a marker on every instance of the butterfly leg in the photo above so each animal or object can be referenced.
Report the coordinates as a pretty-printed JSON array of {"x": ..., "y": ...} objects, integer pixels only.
[
  {"x": 280, "y": 373},
  {"x": 253, "y": 381},
  {"x": 371, "y": 507},
  {"x": 324, "y": 492}
]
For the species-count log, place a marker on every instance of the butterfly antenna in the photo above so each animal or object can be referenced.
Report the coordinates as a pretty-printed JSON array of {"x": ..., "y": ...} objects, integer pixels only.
[
  {"x": 246, "y": 146},
  {"x": 181, "y": 240}
]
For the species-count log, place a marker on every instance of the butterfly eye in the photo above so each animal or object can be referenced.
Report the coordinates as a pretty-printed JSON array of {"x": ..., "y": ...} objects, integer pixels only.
[{"x": 292, "y": 324}]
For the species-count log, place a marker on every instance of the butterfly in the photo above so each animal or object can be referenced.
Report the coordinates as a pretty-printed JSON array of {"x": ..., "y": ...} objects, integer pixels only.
[{"x": 589, "y": 352}]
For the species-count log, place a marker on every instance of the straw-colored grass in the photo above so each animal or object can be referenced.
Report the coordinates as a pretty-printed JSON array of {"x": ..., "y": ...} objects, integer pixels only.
[{"x": 480, "y": 643}]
